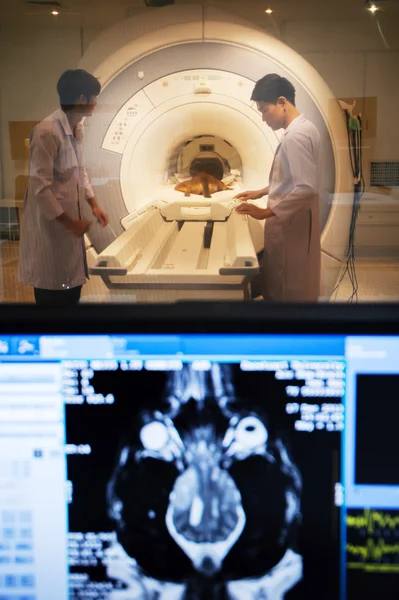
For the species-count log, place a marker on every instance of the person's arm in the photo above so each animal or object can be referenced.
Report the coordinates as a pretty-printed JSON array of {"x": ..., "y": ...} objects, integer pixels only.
[
  {"x": 92, "y": 202},
  {"x": 97, "y": 211},
  {"x": 89, "y": 193},
  {"x": 43, "y": 151},
  {"x": 253, "y": 194},
  {"x": 255, "y": 211},
  {"x": 77, "y": 227},
  {"x": 265, "y": 191}
]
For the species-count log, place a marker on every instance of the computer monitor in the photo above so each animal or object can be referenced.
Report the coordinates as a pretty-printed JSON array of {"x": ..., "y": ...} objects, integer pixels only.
[{"x": 199, "y": 452}]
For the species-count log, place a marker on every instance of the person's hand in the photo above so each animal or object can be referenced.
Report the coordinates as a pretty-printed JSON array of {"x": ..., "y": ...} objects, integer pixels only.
[
  {"x": 78, "y": 227},
  {"x": 100, "y": 215},
  {"x": 250, "y": 195},
  {"x": 251, "y": 209}
]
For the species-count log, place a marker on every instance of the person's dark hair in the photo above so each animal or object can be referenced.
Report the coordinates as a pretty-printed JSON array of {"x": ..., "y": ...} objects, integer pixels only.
[
  {"x": 271, "y": 87},
  {"x": 75, "y": 83}
]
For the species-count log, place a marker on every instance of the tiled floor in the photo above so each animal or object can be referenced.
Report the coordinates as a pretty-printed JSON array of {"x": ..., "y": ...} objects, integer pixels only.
[
  {"x": 10, "y": 289},
  {"x": 378, "y": 281}
]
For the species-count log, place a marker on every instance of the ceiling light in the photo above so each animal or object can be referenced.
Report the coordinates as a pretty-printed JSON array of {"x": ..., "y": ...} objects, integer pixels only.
[
  {"x": 268, "y": 11},
  {"x": 55, "y": 12},
  {"x": 372, "y": 8}
]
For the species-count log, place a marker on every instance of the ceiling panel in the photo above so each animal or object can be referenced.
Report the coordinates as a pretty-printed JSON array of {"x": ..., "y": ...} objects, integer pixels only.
[{"x": 101, "y": 13}]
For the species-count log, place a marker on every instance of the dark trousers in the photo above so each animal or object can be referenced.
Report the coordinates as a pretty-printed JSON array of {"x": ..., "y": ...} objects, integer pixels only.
[
  {"x": 58, "y": 297},
  {"x": 258, "y": 282}
]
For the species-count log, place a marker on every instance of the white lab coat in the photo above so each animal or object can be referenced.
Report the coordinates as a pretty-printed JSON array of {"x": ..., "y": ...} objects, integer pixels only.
[
  {"x": 291, "y": 262},
  {"x": 50, "y": 257}
]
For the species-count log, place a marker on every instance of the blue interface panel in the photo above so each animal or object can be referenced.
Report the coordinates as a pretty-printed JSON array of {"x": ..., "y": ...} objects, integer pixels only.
[{"x": 198, "y": 466}]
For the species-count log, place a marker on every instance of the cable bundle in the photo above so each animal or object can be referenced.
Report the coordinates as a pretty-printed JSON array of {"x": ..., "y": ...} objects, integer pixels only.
[{"x": 354, "y": 131}]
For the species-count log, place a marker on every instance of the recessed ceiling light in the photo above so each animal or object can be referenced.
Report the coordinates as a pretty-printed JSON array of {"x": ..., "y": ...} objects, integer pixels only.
[
  {"x": 268, "y": 11},
  {"x": 372, "y": 8},
  {"x": 55, "y": 12}
]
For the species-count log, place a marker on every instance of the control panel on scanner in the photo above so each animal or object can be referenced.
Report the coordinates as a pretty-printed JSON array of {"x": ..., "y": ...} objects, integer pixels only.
[{"x": 198, "y": 466}]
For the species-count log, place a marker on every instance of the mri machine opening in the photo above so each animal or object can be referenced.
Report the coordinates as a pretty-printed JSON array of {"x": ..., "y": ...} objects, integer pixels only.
[{"x": 168, "y": 112}]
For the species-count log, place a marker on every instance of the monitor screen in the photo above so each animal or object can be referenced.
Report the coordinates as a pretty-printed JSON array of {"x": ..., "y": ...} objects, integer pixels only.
[{"x": 181, "y": 466}]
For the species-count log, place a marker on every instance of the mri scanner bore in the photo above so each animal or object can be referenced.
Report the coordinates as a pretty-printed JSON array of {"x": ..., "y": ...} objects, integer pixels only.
[{"x": 175, "y": 101}]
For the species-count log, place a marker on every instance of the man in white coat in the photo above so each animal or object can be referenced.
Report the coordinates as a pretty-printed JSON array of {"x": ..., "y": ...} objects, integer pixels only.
[
  {"x": 52, "y": 255},
  {"x": 291, "y": 262}
]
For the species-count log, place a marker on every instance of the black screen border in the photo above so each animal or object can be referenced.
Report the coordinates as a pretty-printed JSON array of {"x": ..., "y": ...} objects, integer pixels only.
[{"x": 201, "y": 318}]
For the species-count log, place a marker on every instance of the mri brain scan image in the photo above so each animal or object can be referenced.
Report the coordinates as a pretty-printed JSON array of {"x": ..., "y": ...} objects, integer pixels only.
[{"x": 205, "y": 498}]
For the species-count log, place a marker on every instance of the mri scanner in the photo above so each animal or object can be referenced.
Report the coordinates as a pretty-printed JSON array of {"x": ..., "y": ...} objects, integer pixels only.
[{"x": 177, "y": 83}]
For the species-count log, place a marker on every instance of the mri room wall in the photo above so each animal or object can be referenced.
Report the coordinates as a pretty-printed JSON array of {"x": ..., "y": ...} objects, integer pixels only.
[{"x": 350, "y": 56}]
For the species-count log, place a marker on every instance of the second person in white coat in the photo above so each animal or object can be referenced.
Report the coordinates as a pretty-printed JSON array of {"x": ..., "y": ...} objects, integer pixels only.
[
  {"x": 52, "y": 256},
  {"x": 291, "y": 261}
]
